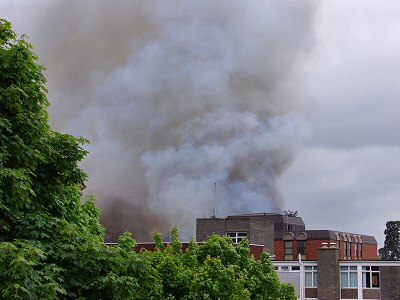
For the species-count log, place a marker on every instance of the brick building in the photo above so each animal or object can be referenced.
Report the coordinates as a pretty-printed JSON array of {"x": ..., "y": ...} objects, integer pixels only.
[
  {"x": 288, "y": 245},
  {"x": 330, "y": 278},
  {"x": 285, "y": 237},
  {"x": 321, "y": 264}
]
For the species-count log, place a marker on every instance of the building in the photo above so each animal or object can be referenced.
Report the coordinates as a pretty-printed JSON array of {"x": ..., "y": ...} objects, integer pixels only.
[
  {"x": 285, "y": 236},
  {"x": 259, "y": 231},
  {"x": 321, "y": 264},
  {"x": 330, "y": 278}
]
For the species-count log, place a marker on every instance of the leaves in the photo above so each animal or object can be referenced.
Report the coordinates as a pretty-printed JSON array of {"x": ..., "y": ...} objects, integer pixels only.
[
  {"x": 391, "y": 248},
  {"x": 215, "y": 270},
  {"x": 27, "y": 276},
  {"x": 51, "y": 240}
]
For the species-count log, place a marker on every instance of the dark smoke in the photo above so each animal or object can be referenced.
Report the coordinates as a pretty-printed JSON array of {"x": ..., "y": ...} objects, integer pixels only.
[
  {"x": 174, "y": 96},
  {"x": 125, "y": 215}
]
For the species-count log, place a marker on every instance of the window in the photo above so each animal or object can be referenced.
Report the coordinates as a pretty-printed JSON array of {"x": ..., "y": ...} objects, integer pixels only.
[
  {"x": 361, "y": 251},
  {"x": 287, "y": 268},
  {"x": 348, "y": 250},
  {"x": 301, "y": 247},
  {"x": 348, "y": 277},
  {"x": 370, "y": 277},
  {"x": 311, "y": 276},
  {"x": 356, "y": 250},
  {"x": 236, "y": 237},
  {"x": 288, "y": 249}
]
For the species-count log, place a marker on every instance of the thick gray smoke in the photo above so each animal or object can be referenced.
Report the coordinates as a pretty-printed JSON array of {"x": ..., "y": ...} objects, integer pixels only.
[{"x": 177, "y": 95}]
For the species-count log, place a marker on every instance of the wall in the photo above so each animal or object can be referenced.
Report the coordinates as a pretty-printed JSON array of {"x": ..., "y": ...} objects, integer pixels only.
[
  {"x": 238, "y": 225},
  {"x": 259, "y": 231},
  {"x": 348, "y": 293},
  {"x": 370, "y": 252},
  {"x": 262, "y": 233},
  {"x": 328, "y": 274},
  {"x": 311, "y": 249},
  {"x": 390, "y": 282},
  {"x": 279, "y": 249},
  {"x": 207, "y": 227}
]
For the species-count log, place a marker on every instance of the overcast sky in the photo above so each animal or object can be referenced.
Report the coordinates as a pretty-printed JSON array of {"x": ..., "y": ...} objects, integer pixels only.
[
  {"x": 347, "y": 176},
  {"x": 346, "y": 172}
]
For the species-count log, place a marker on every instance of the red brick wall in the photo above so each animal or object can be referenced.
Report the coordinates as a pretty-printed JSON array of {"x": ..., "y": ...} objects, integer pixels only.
[
  {"x": 256, "y": 251},
  {"x": 312, "y": 248},
  {"x": 370, "y": 252},
  {"x": 341, "y": 249},
  {"x": 279, "y": 249}
]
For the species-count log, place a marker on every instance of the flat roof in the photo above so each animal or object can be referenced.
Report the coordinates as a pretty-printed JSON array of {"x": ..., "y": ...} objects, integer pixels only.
[{"x": 271, "y": 216}]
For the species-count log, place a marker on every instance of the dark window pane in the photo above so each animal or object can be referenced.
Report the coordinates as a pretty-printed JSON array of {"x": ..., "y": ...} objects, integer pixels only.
[{"x": 301, "y": 245}]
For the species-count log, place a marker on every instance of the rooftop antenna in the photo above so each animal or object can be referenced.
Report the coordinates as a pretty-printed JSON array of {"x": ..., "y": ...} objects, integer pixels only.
[{"x": 215, "y": 204}]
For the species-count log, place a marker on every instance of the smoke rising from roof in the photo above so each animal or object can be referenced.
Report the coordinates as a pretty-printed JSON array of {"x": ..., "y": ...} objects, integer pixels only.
[{"x": 177, "y": 95}]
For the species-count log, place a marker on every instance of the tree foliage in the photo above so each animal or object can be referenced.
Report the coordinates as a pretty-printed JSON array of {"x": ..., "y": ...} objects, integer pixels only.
[
  {"x": 51, "y": 241},
  {"x": 214, "y": 270},
  {"x": 391, "y": 248}
]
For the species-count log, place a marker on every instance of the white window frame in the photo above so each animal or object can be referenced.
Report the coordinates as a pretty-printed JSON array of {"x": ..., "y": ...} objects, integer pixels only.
[
  {"x": 288, "y": 268},
  {"x": 237, "y": 236},
  {"x": 313, "y": 272},
  {"x": 368, "y": 272},
  {"x": 349, "y": 271}
]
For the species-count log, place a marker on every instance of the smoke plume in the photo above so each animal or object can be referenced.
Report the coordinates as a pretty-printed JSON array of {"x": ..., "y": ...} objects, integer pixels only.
[{"x": 174, "y": 96}]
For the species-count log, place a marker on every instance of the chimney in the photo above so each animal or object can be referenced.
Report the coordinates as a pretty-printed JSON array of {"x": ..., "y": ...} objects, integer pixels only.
[{"x": 328, "y": 272}]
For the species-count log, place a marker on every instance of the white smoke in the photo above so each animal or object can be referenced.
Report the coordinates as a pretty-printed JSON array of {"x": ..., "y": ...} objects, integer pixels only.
[{"x": 182, "y": 94}]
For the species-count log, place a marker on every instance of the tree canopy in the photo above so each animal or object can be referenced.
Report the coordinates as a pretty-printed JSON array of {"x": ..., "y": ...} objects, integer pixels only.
[
  {"x": 51, "y": 241},
  {"x": 391, "y": 248}
]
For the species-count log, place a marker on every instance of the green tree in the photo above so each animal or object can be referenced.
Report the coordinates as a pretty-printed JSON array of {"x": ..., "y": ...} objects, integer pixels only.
[
  {"x": 216, "y": 270},
  {"x": 391, "y": 248},
  {"x": 51, "y": 241}
]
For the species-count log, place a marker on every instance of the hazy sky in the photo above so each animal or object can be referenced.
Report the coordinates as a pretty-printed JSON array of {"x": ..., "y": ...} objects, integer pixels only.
[{"x": 339, "y": 60}]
